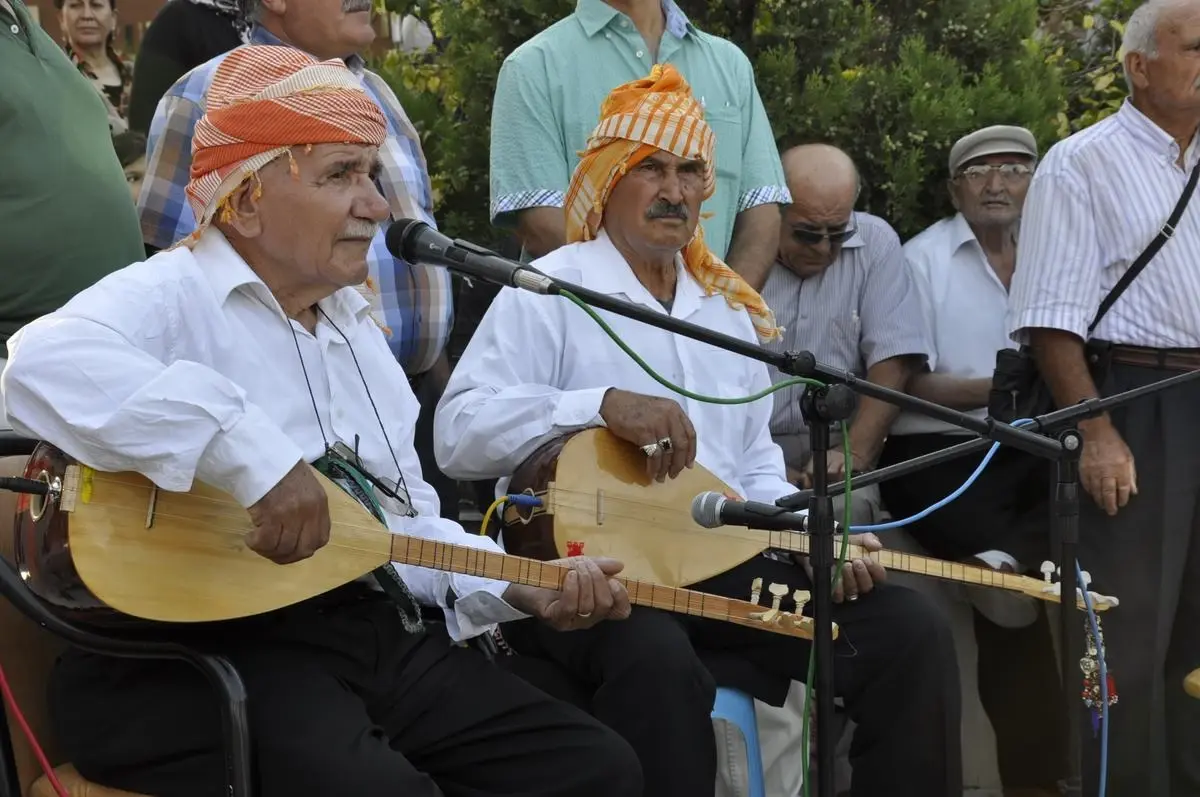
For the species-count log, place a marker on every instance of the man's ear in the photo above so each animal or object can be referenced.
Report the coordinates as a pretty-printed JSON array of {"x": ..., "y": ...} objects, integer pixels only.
[
  {"x": 245, "y": 202},
  {"x": 274, "y": 7}
]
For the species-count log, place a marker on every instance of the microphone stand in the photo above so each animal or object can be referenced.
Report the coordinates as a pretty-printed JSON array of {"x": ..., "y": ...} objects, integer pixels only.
[
  {"x": 835, "y": 402},
  {"x": 822, "y": 406}
]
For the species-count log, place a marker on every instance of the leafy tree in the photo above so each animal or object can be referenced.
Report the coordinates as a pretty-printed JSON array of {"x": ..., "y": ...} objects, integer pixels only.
[
  {"x": 1083, "y": 40},
  {"x": 893, "y": 82}
]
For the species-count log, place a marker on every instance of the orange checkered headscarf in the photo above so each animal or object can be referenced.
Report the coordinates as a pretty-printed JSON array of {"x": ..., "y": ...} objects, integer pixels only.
[
  {"x": 636, "y": 120},
  {"x": 263, "y": 101}
]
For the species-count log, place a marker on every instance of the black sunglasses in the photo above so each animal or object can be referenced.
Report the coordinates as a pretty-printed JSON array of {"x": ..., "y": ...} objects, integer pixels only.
[{"x": 813, "y": 238}]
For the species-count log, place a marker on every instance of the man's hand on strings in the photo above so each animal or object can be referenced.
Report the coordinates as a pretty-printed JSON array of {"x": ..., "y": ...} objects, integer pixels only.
[
  {"x": 589, "y": 594},
  {"x": 658, "y": 426},
  {"x": 859, "y": 576},
  {"x": 291, "y": 522}
]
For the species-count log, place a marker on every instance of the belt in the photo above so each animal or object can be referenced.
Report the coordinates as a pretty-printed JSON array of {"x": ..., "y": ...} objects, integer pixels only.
[{"x": 1163, "y": 359}]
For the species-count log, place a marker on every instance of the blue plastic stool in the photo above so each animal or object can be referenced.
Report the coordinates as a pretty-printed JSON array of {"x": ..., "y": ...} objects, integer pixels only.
[{"x": 738, "y": 708}]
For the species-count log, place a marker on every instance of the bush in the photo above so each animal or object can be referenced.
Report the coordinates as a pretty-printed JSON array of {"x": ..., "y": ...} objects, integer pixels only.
[
  {"x": 893, "y": 82},
  {"x": 1083, "y": 40}
]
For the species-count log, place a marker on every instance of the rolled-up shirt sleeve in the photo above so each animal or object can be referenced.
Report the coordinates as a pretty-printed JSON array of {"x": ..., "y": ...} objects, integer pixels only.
[{"x": 1057, "y": 281}]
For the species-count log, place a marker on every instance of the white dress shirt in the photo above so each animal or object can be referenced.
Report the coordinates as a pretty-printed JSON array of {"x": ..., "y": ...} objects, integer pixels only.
[
  {"x": 963, "y": 303},
  {"x": 184, "y": 367},
  {"x": 538, "y": 367},
  {"x": 1095, "y": 203}
]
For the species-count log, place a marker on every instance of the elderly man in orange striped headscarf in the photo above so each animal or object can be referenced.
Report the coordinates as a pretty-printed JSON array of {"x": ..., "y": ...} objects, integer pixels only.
[
  {"x": 244, "y": 359},
  {"x": 538, "y": 369}
]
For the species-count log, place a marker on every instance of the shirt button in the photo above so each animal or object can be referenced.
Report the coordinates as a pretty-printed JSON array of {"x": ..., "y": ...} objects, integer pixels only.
[
  {"x": 608, "y": 35},
  {"x": 639, "y": 53},
  {"x": 15, "y": 29}
]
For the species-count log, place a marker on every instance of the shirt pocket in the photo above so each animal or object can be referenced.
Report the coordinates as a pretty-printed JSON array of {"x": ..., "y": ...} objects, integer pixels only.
[
  {"x": 843, "y": 343},
  {"x": 726, "y": 124}
]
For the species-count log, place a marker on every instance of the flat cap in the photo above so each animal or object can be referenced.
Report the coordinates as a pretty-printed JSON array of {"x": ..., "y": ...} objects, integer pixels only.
[{"x": 994, "y": 140}]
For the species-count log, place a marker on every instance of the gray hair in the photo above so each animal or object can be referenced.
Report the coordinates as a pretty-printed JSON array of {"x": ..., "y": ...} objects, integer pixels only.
[
  {"x": 251, "y": 10},
  {"x": 1141, "y": 31}
]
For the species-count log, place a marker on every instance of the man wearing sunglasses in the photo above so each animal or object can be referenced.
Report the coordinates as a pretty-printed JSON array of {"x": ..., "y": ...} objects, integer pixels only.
[{"x": 840, "y": 289}]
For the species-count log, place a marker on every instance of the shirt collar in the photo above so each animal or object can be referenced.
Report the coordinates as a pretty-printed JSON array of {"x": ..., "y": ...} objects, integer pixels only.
[
  {"x": 260, "y": 35},
  {"x": 227, "y": 272},
  {"x": 607, "y": 271},
  {"x": 1148, "y": 132},
  {"x": 960, "y": 232},
  {"x": 596, "y": 15}
]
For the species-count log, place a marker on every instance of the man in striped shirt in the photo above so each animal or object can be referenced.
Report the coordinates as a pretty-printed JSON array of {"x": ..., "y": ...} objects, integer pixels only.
[
  {"x": 1096, "y": 202},
  {"x": 840, "y": 289}
]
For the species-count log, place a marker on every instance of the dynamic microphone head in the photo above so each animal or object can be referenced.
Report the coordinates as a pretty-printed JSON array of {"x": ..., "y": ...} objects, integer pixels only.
[
  {"x": 401, "y": 236},
  {"x": 706, "y": 509}
]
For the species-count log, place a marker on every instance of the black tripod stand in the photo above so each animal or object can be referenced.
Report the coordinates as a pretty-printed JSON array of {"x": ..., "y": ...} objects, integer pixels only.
[{"x": 834, "y": 402}]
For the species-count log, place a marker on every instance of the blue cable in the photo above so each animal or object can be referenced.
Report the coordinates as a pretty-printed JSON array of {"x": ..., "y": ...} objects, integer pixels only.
[{"x": 1087, "y": 601}]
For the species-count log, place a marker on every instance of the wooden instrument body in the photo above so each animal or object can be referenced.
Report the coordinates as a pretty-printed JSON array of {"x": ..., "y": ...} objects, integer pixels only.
[
  {"x": 600, "y": 502},
  {"x": 151, "y": 554},
  {"x": 114, "y": 549}
]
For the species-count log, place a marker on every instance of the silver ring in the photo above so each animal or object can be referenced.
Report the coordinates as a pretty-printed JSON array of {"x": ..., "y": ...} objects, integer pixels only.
[
  {"x": 853, "y": 597},
  {"x": 650, "y": 449},
  {"x": 665, "y": 443},
  {"x": 581, "y": 614}
]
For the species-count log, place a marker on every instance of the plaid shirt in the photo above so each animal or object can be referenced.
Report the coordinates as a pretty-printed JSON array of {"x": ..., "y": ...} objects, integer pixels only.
[{"x": 414, "y": 303}]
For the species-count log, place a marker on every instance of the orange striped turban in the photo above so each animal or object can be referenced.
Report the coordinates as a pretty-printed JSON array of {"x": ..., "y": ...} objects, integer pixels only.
[
  {"x": 263, "y": 101},
  {"x": 636, "y": 120}
]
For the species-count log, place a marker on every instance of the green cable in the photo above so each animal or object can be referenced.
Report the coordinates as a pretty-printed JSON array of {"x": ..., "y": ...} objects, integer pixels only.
[{"x": 847, "y": 458}]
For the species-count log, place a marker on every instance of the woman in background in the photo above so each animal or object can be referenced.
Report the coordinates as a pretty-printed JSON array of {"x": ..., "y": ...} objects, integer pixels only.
[
  {"x": 88, "y": 27},
  {"x": 183, "y": 35}
]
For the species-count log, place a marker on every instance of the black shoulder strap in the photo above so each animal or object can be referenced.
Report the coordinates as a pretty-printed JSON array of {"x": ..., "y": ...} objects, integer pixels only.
[{"x": 1150, "y": 251}]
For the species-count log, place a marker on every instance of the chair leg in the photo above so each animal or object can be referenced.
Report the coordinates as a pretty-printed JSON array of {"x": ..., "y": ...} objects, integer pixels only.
[{"x": 236, "y": 735}]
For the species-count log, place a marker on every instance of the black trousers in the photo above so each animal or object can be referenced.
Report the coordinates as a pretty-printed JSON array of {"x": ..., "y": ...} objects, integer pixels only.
[
  {"x": 653, "y": 679},
  {"x": 1149, "y": 557},
  {"x": 341, "y": 702},
  {"x": 1006, "y": 509}
]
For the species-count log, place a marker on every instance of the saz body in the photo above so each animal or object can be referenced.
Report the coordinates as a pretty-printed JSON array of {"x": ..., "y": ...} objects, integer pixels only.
[
  {"x": 112, "y": 549},
  {"x": 598, "y": 501}
]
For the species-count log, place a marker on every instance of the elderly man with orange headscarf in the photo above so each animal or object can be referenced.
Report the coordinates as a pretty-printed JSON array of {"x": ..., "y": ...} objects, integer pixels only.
[
  {"x": 538, "y": 369},
  {"x": 237, "y": 360}
]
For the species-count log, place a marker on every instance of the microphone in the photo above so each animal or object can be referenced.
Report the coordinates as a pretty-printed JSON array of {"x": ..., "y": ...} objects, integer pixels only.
[
  {"x": 416, "y": 242},
  {"x": 711, "y": 510}
]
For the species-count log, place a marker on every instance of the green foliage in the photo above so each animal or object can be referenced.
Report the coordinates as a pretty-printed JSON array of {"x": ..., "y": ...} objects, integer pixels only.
[
  {"x": 893, "y": 82},
  {"x": 1083, "y": 41}
]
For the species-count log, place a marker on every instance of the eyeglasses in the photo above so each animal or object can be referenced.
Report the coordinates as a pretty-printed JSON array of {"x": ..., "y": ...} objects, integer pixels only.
[
  {"x": 1009, "y": 173},
  {"x": 814, "y": 237}
]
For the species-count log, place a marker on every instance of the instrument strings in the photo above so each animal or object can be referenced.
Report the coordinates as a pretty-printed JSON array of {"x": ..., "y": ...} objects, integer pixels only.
[
  {"x": 431, "y": 553},
  {"x": 585, "y": 502}
]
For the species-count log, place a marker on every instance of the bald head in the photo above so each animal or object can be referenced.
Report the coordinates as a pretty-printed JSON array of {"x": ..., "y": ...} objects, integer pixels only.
[
  {"x": 823, "y": 182},
  {"x": 820, "y": 171}
]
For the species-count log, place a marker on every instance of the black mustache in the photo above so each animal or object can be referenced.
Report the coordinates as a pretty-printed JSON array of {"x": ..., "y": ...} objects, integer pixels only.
[{"x": 667, "y": 210}]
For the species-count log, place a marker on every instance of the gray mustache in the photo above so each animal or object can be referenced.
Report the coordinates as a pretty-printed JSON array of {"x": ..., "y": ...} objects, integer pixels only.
[
  {"x": 666, "y": 210},
  {"x": 354, "y": 6},
  {"x": 362, "y": 230}
]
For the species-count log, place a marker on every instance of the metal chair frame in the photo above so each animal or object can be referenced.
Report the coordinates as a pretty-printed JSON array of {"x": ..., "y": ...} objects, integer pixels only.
[{"x": 221, "y": 673}]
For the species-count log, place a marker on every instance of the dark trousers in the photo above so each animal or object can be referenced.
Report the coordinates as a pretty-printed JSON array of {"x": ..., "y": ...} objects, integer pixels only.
[
  {"x": 1149, "y": 557},
  {"x": 1005, "y": 509},
  {"x": 653, "y": 678},
  {"x": 341, "y": 702}
]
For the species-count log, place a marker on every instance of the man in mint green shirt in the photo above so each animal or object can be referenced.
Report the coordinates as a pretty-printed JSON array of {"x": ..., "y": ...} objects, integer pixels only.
[{"x": 548, "y": 99}]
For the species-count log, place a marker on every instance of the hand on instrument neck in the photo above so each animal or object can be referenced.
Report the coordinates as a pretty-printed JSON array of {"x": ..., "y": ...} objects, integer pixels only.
[{"x": 589, "y": 594}]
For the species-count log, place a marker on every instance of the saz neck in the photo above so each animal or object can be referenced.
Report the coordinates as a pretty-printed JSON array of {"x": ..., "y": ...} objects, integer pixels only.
[{"x": 531, "y": 572}]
